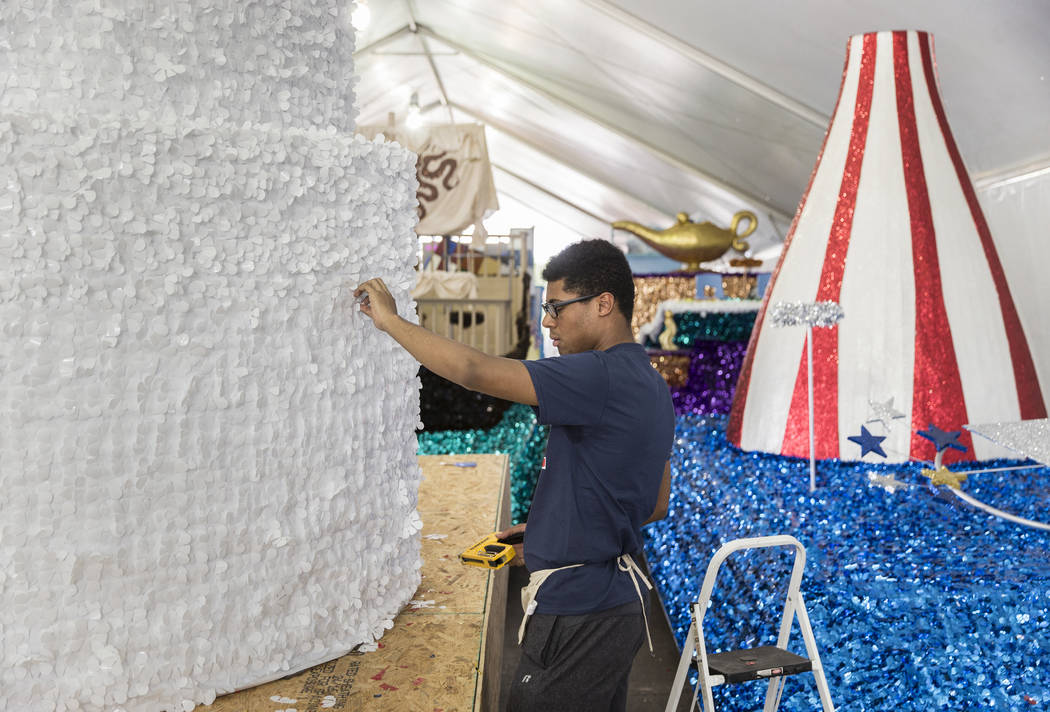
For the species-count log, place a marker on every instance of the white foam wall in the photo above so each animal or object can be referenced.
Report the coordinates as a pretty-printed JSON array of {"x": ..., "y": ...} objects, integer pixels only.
[
  {"x": 288, "y": 63},
  {"x": 207, "y": 457},
  {"x": 208, "y": 462}
]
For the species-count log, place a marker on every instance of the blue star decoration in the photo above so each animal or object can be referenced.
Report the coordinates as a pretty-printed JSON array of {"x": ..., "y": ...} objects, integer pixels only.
[
  {"x": 943, "y": 439},
  {"x": 868, "y": 442}
]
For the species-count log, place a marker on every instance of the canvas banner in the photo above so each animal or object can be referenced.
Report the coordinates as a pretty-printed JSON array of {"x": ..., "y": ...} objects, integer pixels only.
[{"x": 456, "y": 188}]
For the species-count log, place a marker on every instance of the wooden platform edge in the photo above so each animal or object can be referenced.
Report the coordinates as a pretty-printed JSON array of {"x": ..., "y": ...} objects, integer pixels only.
[{"x": 487, "y": 691}]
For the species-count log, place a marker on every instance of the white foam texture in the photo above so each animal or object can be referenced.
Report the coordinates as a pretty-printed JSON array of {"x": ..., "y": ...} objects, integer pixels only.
[
  {"x": 207, "y": 456},
  {"x": 284, "y": 62}
]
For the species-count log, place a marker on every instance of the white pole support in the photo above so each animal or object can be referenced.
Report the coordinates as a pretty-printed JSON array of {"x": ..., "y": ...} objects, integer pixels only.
[
  {"x": 808, "y": 314},
  {"x": 812, "y": 437}
]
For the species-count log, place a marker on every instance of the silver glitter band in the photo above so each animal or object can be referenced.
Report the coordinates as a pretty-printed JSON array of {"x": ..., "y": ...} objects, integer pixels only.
[{"x": 806, "y": 314}]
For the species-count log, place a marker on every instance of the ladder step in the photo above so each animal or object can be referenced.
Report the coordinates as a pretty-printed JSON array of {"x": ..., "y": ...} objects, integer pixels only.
[{"x": 757, "y": 664}]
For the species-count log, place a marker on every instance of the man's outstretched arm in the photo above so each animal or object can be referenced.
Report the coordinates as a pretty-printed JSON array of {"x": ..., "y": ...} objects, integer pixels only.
[{"x": 477, "y": 371}]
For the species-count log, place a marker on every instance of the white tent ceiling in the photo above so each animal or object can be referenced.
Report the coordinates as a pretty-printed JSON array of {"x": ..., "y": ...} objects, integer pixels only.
[{"x": 638, "y": 109}]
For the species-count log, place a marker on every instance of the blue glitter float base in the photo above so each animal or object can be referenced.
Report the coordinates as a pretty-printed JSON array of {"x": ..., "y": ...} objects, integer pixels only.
[{"x": 918, "y": 601}]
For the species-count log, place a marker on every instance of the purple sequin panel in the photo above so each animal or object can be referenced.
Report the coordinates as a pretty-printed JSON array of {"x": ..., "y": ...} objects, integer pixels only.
[{"x": 713, "y": 370}]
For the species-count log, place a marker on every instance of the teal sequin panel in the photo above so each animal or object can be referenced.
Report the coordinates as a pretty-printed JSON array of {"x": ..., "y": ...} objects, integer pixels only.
[
  {"x": 517, "y": 435},
  {"x": 712, "y": 326}
]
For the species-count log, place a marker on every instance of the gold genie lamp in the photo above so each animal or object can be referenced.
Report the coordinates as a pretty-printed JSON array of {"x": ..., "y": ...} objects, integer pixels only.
[{"x": 692, "y": 243}]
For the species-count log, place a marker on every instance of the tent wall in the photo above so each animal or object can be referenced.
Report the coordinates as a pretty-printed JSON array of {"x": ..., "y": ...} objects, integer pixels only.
[{"x": 1018, "y": 214}]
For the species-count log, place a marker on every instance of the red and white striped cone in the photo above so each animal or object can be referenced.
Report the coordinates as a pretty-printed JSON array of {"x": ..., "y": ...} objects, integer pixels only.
[{"x": 890, "y": 228}]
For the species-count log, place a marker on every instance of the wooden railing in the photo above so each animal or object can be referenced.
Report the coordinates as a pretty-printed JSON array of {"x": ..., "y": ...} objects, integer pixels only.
[
  {"x": 499, "y": 264},
  {"x": 485, "y": 324}
]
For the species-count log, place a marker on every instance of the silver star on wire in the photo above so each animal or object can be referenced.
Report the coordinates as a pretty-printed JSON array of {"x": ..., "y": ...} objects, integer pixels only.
[
  {"x": 887, "y": 482},
  {"x": 884, "y": 413}
]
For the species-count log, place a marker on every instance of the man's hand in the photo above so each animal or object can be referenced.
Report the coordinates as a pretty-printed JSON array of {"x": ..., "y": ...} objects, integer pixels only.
[
  {"x": 378, "y": 303},
  {"x": 519, "y": 549},
  {"x": 475, "y": 370}
]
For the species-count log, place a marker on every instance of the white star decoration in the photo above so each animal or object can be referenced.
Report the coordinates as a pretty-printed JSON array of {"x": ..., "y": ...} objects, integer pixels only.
[
  {"x": 887, "y": 482},
  {"x": 883, "y": 413}
]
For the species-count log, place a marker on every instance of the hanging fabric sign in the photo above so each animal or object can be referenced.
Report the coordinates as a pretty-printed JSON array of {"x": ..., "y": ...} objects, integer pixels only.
[{"x": 455, "y": 177}]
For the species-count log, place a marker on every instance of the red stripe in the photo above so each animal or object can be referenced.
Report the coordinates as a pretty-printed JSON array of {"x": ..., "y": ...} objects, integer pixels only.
[
  {"x": 796, "y": 430},
  {"x": 825, "y": 340},
  {"x": 937, "y": 395},
  {"x": 743, "y": 384},
  {"x": 1029, "y": 393}
]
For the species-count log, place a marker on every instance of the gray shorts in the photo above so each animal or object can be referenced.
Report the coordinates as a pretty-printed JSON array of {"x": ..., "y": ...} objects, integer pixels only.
[{"x": 577, "y": 663}]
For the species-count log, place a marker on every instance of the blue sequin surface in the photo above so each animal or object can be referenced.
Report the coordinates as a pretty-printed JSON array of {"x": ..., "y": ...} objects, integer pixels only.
[{"x": 918, "y": 600}]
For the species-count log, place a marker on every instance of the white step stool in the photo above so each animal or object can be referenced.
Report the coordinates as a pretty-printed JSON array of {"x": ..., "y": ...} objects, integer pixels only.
[{"x": 764, "y": 663}]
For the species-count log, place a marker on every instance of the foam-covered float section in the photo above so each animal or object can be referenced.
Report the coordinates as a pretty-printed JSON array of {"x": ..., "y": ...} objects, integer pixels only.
[{"x": 207, "y": 462}]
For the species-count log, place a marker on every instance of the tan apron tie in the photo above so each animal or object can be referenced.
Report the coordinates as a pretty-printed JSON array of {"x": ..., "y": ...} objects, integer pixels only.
[
  {"x": 528, "y": 595},
  {"x": 625, "y": 563}
]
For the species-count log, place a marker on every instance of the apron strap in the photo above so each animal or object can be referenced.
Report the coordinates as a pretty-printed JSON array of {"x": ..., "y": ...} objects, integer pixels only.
[
  {"x": 536, "y": 579},
  {"x": 626, "y": 563},
  {"x": 528, "y": 595}
]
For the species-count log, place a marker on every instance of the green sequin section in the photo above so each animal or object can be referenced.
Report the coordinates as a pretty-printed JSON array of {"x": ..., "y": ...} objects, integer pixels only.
[
  {"x": 712, "y": 326},
  {"x": 517, "y": 435}
]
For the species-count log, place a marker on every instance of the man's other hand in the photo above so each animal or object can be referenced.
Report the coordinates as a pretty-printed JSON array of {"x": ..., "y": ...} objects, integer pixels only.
[{"x": 519, "y": 549}]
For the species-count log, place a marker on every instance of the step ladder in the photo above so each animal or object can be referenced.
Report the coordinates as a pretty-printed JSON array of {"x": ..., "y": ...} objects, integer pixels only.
[{"x": 771, "y": 663}]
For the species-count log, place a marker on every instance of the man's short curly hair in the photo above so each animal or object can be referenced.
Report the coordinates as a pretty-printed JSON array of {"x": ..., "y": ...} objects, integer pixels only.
[{"x": 593, "y": 267}]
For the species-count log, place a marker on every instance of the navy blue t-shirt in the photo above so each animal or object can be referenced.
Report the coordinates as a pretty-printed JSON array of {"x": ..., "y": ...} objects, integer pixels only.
[{"x": 612, "y": 426}]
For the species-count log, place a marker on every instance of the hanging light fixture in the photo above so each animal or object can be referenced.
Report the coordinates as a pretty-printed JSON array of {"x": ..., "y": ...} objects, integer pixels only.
[{"x": 415, "y": 117}]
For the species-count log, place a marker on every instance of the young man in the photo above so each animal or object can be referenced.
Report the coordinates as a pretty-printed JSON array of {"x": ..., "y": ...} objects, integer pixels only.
[{"x": 605, "y": 473}]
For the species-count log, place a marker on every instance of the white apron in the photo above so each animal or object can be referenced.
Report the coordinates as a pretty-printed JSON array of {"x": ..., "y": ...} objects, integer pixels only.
[{"x": 536, "y": 579}]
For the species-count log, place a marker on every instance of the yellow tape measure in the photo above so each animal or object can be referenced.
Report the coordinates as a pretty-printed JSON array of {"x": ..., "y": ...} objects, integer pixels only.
[{"x": 491, "y": 552}]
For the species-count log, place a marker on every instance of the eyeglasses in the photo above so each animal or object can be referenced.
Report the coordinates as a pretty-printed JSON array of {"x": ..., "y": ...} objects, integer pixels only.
[{"x": 552, "y": 307}]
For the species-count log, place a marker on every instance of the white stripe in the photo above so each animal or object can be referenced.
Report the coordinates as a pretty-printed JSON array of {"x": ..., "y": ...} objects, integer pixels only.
[
  {"x": 780, "y": 350},
  {"x": 981, "y": 348},
  {"x": 876, "y": 338}
]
